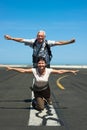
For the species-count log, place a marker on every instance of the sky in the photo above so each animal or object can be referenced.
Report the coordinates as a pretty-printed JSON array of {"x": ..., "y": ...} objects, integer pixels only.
[{"x": 60, "y": 19}]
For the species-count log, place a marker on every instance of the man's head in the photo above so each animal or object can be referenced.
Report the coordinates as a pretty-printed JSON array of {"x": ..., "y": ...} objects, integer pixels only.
[{"x": 41, "y": 36}]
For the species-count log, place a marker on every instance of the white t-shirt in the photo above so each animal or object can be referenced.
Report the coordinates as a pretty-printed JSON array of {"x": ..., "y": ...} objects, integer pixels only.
[
  {"x": 29, "y": 42},
  {"x": 41, "y": 80}
]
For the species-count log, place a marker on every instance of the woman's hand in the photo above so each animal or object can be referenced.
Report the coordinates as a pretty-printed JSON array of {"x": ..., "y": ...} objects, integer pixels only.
[
  {"x": 8, "y": 68},
  {"x": 74, "y": 71}
]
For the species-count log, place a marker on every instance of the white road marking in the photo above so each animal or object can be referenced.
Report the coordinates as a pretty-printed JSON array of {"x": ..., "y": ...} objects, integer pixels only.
[{"x": 47, "y": 117}]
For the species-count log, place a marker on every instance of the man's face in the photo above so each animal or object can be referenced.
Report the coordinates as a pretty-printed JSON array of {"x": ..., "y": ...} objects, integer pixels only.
[{"x": 40, "y": 37}]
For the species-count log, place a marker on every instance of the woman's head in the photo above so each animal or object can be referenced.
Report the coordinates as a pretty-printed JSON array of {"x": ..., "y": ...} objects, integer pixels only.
[{"x": 41, "y": 62}]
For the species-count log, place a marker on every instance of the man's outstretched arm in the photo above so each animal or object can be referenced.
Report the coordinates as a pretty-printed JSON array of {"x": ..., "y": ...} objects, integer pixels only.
[
  {"x": 65, "y": 42},
  {"x": 8, "y": 37}
]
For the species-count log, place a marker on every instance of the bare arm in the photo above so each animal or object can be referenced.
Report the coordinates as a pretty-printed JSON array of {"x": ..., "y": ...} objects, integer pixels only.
[
  {"x": 20, "y": 69},
  {"x": 64, "y": 71},
  {"x": 8, "y": 37},
  {"x": 65, "y": 42}
]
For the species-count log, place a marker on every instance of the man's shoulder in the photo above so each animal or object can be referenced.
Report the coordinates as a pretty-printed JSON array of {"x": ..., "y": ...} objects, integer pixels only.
[{"x": 29, "y": 40}]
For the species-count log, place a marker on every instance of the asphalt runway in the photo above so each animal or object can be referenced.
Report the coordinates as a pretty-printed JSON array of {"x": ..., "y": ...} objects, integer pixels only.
[{"x": 69, "y": 104}]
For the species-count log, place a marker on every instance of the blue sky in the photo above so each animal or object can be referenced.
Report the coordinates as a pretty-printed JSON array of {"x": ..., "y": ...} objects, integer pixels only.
[{"x": 61, "y": 19}]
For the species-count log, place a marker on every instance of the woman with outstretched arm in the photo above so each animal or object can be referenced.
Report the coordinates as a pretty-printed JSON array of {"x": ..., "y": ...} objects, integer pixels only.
[{"x": 41, "y": 87}]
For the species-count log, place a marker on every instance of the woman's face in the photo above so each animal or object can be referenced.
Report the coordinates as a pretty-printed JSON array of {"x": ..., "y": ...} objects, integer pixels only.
[{"x": 41, "y": 64}]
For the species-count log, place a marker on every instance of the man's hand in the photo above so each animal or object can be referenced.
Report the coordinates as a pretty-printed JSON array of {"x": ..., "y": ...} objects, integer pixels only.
[
  {"x": 8, "y": 37},
  {"x": 72, "y": 41}
]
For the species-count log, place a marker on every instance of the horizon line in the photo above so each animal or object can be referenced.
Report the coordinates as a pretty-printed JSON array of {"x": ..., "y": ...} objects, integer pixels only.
[{"x": 53, "y": 66}]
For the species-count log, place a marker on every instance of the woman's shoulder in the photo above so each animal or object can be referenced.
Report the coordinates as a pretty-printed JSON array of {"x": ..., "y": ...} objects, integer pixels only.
[{"x": 49, "y": 69}]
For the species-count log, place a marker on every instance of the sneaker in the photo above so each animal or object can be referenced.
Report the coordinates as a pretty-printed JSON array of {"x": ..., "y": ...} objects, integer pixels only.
[
  {"x": 34, "y": 103},
  {"x": 49, "y": 101}
]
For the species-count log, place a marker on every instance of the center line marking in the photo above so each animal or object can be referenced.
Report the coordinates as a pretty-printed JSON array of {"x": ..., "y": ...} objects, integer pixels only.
[{"x": 47, "y": 117}]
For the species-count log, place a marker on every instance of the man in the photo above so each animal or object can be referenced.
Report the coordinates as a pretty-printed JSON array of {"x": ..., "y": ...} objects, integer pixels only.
[{"x": 40, "y": 46}]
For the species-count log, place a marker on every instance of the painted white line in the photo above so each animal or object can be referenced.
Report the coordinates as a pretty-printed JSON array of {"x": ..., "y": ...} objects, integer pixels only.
[{"x": 47, "y": 117}]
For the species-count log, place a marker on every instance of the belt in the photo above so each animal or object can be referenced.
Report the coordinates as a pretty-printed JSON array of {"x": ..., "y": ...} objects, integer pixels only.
[{"x": 36, "y": 88}]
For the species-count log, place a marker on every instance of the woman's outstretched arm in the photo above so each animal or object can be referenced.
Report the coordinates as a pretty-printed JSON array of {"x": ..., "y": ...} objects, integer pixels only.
[
  {"x": 64, "y": 71},
  {"x": 19, "y": 69}
]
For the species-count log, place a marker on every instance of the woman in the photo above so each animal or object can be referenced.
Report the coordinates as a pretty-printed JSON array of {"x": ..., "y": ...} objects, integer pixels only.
[{"x": 41, "y": 87}]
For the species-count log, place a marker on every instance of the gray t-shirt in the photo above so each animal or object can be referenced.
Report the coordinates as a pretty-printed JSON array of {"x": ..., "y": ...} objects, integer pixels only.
[{"x": 40, "y": 47}]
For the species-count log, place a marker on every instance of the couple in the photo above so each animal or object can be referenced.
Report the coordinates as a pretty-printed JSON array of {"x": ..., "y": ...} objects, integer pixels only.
[{"x": 41, "y": 48}]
